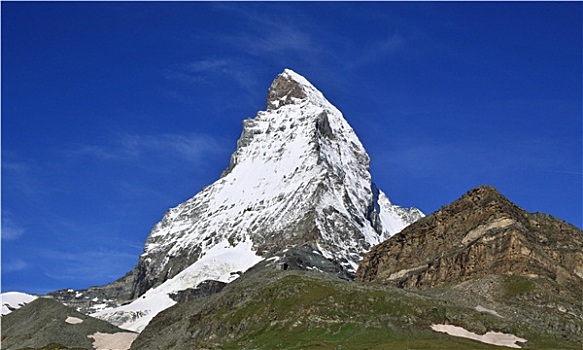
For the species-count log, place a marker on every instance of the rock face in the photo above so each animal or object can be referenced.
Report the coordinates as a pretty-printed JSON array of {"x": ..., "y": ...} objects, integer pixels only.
[
  {"x": 481, "y": 234},
  {"x": 299, "y": 175}
]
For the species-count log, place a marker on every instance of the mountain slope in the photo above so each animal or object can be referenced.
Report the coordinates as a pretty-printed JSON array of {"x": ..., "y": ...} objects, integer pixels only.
[
  {"x": 485, "y": 244},
  {"x": 45, "y": 321},
  {"x": 272, "y": 309},
  {"x": 481, "y": 233},
  {"x": 299, "y": 175},
  {"x": 479, "y": 268}
]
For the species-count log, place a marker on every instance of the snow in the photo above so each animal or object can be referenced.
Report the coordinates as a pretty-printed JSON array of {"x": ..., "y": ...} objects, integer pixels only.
[
  {"x": 73, "y": 320},
  {"x": 14, "y": 300},
  {"x": 98, "y": 307},
  {"x": 495, "y": 338},
  {"x": 117, "y": 341},
  {"x": 480, "y": 308},
  {"x": 217, "y": 264}
]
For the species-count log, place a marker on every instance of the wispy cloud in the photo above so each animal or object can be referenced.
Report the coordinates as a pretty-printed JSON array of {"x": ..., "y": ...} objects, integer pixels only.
[
  {"x": 10, "y": 229},
  {"x": 392, "y": 43},
  {"x": 13, "y": 266},
  {"x": 192, "y": 148},
  {"x": 208, "y": 70},
  {"x": 261, "y": 39},
  {"x": 378, "y": 50},
  {"x": 88, "y": 265},
  {"x": 201, "y": 70},
  {"x": 21, "y": 175},
  {"x": 276, "y": 39},
  {"x": 268, "y": 35},
  {"x": 212, "y": 66}
]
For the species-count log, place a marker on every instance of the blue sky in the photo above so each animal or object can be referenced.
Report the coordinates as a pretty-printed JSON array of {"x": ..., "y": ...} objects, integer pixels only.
[{"x": 114, "y": 112}]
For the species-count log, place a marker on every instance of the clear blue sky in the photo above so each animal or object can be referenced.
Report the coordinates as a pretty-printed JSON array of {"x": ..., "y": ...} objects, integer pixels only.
[{"x": 114, "y": 112}]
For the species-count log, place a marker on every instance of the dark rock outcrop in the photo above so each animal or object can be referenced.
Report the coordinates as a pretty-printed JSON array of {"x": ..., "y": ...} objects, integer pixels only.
[{"x": 204, "y": 289}]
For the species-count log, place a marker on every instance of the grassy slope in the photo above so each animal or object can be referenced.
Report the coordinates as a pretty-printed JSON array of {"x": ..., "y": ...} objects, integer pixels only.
[{"x": 301, "y": 312}]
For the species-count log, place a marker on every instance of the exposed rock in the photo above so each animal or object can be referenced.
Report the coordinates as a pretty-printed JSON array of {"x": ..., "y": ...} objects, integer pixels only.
[
  {"x": 204, "y": 289},
  {"x": 485, "y": 245},
  {"x": 481, "y": 233},
  {"x": 109, "y": 295},
  {"x": 283, "y": 91}
]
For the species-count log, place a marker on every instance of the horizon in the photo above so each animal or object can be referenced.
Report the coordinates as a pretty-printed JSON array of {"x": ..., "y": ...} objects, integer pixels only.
[{"x": 112, "y": 113}]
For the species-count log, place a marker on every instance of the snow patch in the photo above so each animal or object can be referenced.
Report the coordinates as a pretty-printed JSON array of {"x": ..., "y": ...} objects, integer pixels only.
[
  {"x": 73, "y": 320},
  {"x": 494, "y": 338},
  {"x": 273, "y": 259},
  {"x": 480, "y": 308},
  {"x": 117, "y": 341}
]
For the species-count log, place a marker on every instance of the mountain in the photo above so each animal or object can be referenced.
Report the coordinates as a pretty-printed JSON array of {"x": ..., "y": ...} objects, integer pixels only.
[
  {"x": 299, "y": 178},
  {"x": 480, "y": 273},
  {"x": 45, "y": 322},
  {"x": 481, "y": 233},
  {"x": 485, "y": 243}
]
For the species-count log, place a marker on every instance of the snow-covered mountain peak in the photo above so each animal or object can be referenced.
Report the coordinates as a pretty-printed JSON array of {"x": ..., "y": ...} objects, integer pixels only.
[{"x": 299, "y": 176}]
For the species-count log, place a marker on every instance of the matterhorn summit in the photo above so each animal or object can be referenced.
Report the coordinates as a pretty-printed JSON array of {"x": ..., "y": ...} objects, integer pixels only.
[{"x": 299, "y": 176}]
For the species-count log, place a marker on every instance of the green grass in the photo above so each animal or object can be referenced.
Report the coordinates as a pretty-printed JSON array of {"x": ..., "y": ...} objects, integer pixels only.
[
  {"x": 300, "y": 312},
  {"x": 52, "y": 346},
  {"x": 353, "y": 336},
  {"x": 516, "y": 285},
  {"x": 307, "y": 313}
]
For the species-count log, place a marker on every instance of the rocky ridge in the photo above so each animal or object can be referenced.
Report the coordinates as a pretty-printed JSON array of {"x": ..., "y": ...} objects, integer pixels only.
[{"x": 481, "y": 233}]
